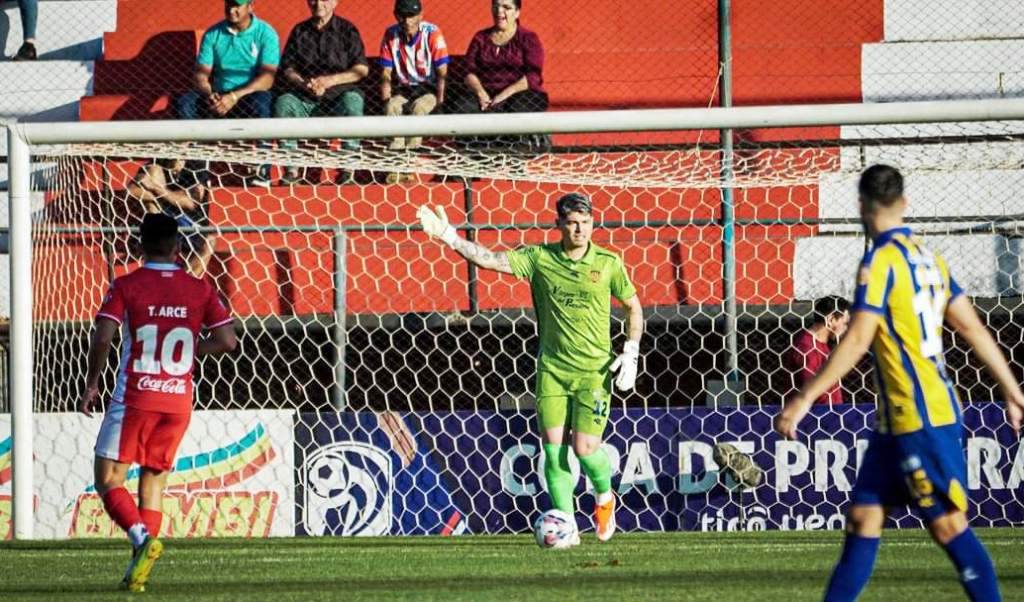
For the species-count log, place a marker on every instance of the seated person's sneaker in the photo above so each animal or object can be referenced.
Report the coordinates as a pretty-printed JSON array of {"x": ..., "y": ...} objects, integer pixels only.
[
  {"x": 396, "y": 177},
  {"x": 261, "y": 177},
  {"x": 292, "y": 175}
]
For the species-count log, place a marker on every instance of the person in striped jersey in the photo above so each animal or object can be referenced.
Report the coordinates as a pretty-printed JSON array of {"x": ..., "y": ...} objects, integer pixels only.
[{"x": 414, "y": 68}]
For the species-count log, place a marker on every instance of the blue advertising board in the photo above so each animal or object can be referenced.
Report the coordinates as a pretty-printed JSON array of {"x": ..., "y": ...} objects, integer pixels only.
[
  {"x": 481, "y": 472},
  {"x": 363, "y": 473}
]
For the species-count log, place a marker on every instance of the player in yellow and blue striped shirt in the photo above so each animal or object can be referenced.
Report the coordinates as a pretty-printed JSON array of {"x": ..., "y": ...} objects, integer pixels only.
[{"x": 916, "y": 455}]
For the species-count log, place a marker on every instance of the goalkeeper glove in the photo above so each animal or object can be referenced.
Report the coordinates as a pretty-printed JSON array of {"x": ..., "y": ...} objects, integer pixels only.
[
  {"x": 626, "y": 365},
  {"x": 436, "y": 224}
]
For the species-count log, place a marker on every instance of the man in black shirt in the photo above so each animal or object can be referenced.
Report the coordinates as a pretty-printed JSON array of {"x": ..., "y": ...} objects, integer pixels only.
[{"x": 323, "y": 61}]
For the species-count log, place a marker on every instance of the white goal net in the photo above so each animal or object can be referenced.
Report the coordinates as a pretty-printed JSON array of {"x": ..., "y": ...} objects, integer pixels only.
[{"x": 383, "y": 386}]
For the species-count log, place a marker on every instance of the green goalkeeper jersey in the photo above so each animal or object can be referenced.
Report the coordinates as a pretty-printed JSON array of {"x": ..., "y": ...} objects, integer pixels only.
[{"x": 573, "y": 303}]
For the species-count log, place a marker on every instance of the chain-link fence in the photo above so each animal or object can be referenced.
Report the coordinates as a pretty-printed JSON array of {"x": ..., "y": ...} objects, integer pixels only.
[
  {"x": 343, "y": 305},
  {"x": 103, "y": 59}
]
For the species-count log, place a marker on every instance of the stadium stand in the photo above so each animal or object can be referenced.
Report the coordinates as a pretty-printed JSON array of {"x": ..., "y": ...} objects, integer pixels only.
[
  {"x": 655, "y": 57},
  {"x": 150, "y": 55},
  {"x": 49, "y": 89},
  {"x": 953, "y": 52}
]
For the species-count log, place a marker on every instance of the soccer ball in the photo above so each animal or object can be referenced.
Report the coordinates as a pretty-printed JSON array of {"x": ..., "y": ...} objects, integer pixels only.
[{"x": 555, "y": 529}]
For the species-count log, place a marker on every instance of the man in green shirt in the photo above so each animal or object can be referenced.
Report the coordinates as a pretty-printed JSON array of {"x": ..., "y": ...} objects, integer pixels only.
[
  {"x": 235, "y": 68},
  {"x": 572, "y": 282},
  {"x": 235, "y": 71}
]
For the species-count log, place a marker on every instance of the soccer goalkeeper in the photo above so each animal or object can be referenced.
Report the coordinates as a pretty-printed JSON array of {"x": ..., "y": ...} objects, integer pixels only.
[{"x": 572, "y": 282}]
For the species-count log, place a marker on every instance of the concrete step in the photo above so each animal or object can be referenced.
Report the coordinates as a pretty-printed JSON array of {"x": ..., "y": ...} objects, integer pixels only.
[
  {"x": 66, "y": 30},
  {"x": 917, "y": 20},
  {"x": 942, "y": 70},
  {"x": 982, "y": 178},
  {"x": 931, "y": 194},
  {"x": 44, "y": 91},
  {"x": 984, "y": 265},
  {"x": 954, "y": 155}
]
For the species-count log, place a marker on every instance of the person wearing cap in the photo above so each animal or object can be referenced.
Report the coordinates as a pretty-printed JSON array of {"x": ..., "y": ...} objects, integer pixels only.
[
  {"x": 571, "y": 283},
  {"x": 323, "y": 60},
  {"x": 414, "y": 66},
  {"x": 235, "y": 70},
  {"x": 235, "y": 67},
  {"x": 505, "y": 66}
]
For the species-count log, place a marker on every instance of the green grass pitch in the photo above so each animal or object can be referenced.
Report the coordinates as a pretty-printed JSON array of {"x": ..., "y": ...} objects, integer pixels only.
[{"x": 760, "y": 567}]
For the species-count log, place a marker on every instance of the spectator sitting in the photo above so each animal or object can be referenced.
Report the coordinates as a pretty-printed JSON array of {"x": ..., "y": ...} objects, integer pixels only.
[
  {"x": 414, "y": 52},
  {"x": 505, "y": 64},
  {"x": 323, "y": 61},
  {"x": 811, "y": 347},
  {"x": 166, "y": 186},
  {"x": 234, "y": 70},
  {"x": 240, "y": 54},
  {"x": 29, "y": 11}
]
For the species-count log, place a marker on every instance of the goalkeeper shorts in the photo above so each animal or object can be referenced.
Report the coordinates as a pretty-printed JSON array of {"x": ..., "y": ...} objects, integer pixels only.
[{"x": 580, "y": 401}]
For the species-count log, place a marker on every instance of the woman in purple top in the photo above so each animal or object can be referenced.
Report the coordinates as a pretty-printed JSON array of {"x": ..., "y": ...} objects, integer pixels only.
[{"x": 504, "y": 66}]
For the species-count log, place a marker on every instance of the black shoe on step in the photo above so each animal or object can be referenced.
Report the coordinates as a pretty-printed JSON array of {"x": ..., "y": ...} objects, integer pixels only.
[{"x": 27, "y": 52}]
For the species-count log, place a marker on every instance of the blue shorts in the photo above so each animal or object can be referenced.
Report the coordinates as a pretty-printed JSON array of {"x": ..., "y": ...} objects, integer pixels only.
[{"x": 925, "y": 470}]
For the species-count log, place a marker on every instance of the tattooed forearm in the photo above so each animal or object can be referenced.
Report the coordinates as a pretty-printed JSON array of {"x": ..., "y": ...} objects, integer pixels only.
[{"x": 482, "y": 256}]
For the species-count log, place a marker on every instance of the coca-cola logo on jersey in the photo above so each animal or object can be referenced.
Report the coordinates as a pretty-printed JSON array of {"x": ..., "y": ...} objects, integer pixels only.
[{"x": 162, "y": 385}]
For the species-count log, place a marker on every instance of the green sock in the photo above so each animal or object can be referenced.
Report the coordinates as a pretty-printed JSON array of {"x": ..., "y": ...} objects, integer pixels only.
[
  {"x": 559, "y": 476},
  {"x": 599, "y": 469}
]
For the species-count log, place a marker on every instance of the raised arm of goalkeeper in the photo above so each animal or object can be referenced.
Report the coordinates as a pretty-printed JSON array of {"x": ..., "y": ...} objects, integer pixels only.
[{"x": 435, "y": 223}]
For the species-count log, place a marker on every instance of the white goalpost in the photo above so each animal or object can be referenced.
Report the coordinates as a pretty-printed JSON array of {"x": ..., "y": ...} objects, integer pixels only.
[{"x": 355, "y": 326}]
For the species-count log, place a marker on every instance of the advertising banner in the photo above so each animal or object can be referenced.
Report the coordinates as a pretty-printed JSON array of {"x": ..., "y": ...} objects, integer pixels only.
[
  {"x": 260, "y": 473},
  {"x": 420, "y": 471},
  {"x": 5, "y": 477},
  {"x": 370, "y": 473},
  {"x": 233, "y": 476}
]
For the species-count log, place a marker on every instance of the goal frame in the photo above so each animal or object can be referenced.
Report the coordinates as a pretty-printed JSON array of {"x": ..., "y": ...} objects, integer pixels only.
[{"x": 23, "y": 137}]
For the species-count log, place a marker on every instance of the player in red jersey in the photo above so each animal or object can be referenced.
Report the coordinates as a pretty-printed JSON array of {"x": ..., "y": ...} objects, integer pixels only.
[{"x": 163, "y": 309}]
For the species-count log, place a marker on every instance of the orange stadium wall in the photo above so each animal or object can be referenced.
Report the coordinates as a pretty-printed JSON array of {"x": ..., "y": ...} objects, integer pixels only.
[{"x": 605, "y": 55}]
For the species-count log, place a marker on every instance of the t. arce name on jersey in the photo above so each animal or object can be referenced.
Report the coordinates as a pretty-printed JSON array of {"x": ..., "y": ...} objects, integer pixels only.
[{"x": 168, "y": 311}]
